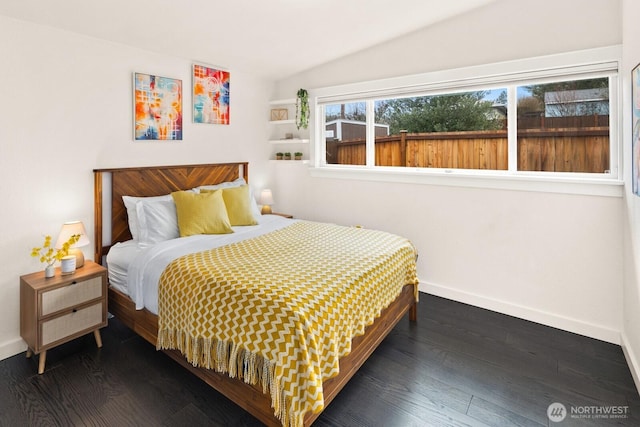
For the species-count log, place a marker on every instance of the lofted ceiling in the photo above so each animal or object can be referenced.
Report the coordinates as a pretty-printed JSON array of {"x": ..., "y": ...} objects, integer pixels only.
[{"x": 274, "y": 38}]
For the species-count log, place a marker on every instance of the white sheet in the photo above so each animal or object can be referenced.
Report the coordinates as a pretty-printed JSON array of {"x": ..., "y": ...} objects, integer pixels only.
[
  {"x": 118, "y": 260},
  {"x": 145, "y": 269}
]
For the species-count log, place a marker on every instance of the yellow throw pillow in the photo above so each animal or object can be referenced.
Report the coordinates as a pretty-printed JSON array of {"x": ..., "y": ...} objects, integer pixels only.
[
  {"x": 203, "y": 213},
  {"x": 238, "y": 203}
]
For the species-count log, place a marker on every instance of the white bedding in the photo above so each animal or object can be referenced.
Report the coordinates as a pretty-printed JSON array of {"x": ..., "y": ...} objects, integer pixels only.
[
  {"x": 118, "y": 260},
  {"x": 143, "y": 266}
]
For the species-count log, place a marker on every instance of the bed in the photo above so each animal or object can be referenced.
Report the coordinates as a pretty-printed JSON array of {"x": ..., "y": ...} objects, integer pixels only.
[{"x": 112, "y": 229}]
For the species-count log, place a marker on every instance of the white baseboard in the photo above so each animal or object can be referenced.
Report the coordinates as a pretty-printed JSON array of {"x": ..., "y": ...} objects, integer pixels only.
[
  {"x": 527, "y": 313},
  {"x": 11, "y": 348},
  {"x": 632, "y": 360}
]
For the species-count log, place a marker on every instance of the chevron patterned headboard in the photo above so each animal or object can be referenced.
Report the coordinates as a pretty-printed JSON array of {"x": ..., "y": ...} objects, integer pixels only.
[{"x": 111, "y": 184}]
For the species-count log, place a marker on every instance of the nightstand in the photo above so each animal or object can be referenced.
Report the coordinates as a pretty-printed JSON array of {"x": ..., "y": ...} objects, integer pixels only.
[
  {"x": 61, "y": 308},
  {"x": 283, "y": 215}
]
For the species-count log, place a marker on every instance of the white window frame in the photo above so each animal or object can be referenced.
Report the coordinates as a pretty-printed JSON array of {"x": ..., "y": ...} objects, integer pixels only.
[{"x": 604, "y": 62}]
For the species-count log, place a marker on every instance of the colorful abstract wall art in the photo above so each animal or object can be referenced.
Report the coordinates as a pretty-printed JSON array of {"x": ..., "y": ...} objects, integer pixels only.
[
  {"x": 158, "y": 108},
  {"x": 210, "y": 95}
]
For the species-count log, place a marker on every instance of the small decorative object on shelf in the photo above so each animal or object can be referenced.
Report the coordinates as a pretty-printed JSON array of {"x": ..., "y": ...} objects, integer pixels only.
[
  {"x": 278, "y": 114},
  {"x": 297, "y": 155},
  {"x": 48, "y": 255},
  {"x": 279, "y": 156},
  {"x": 302, "y": 109},
  {"x": 287, "y": 156}
]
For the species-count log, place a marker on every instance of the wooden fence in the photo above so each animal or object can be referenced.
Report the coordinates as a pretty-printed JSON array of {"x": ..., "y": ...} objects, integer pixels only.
[
  {"x": 539, "y": 121},
  {"x": 548, "y": 150}
]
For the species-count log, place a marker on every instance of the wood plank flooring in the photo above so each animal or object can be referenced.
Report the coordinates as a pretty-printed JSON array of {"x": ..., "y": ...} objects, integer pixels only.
[{"x": 458, "y": 366}]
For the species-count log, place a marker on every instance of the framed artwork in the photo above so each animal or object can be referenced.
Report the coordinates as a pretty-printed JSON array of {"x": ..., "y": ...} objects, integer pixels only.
[
  {"x": 635, "y": 131},
  {"x": 210, "y": 95},
  {"x": 158, "y": 108},
  {"x": 279, "y": 114}
]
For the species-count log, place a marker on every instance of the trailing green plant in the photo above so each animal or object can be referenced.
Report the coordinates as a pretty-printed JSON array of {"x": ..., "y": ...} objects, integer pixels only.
[{"x": 302, "y": 109}]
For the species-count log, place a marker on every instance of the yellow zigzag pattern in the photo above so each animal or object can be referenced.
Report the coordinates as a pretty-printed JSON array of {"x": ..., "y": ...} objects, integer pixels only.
[{"x": 282, "y": 308}]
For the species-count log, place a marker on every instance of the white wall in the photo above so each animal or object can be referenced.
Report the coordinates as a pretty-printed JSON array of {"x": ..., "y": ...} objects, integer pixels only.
[
  {"x": 65, "y": 109},
  {"x": 551, "y": 258},
  {"x": 631, "y": 295}
]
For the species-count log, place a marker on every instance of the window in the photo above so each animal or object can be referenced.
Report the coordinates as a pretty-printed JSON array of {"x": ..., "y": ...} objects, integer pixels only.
[
  {"x": 563, "y": 126},
  {"x": 554, "y": 122},
  {"x": 346, "y": 131},
  {"x": 466, "y": 130}
]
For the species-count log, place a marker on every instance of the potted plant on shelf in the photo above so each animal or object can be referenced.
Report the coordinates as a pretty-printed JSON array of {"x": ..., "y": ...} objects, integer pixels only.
[
  {"x": 297, "y": 155},
  {"x": 302, "y": 109},
  {"x": 279, "y": 156},
  {"x": 287, "y": 156}
]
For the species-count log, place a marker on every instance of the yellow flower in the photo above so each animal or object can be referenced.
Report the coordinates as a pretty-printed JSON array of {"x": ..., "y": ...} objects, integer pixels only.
[{"x": 48, "y": 254}]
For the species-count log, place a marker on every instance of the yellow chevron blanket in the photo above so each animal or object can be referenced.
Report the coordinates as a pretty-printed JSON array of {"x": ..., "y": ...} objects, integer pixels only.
[{"x": 280, "y": 309}]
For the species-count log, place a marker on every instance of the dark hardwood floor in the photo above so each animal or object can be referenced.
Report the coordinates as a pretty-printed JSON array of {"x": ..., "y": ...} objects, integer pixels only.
[{"x": 459, "y": 365}]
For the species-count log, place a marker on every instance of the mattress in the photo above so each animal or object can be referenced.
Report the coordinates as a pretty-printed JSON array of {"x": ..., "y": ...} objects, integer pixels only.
[{"x": 118, "y": 260}]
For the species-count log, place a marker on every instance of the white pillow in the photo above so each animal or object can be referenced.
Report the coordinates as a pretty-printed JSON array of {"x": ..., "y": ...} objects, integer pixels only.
[
  {"x": 238, "y": 182},
  {"x": 228, "y": 184},
  {"x": 132, "y": 214},
  {"x": 157, "y": 221},
  {"x": 254, "y": 205}
]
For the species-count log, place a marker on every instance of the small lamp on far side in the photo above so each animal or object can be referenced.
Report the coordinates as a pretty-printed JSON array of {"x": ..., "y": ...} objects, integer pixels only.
[
  {"x": 266, "y": 200},
  {"x": 69, "y": 229}
]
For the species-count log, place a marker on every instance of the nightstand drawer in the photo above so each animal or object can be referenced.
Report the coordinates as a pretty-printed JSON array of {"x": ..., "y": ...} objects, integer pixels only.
[
  {"x": 71, "y": 295},
  {"x": 72, "y": 323}
]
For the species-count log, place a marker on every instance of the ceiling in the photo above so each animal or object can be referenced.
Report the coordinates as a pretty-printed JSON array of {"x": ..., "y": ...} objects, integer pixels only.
[{"x": 274, "y": 38}]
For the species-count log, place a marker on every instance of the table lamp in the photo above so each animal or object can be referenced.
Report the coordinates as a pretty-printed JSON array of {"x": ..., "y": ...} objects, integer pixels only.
[
  {"x": 69, "y": 229},
  {"x": 266, "y": 200}
]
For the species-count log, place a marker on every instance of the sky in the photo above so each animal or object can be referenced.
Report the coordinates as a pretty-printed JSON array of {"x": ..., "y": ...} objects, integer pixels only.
[{"x": 491, "y": 95}]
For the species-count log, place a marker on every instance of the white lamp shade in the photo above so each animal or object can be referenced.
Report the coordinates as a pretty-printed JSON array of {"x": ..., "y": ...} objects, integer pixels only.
[
  {"x": 69, "y": 229},
  {"x": 266, "y": 197},
  {"x": 266, "y": 200}
]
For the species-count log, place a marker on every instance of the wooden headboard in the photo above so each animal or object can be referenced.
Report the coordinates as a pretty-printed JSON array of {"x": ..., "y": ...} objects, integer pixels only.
[{"x": 148, "y": 181}]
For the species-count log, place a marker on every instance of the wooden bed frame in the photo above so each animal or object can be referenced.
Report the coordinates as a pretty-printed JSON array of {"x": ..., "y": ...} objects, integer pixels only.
[{"x": 159, "y": 180}]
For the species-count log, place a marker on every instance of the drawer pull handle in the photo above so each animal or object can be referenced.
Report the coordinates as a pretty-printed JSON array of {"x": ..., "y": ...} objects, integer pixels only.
[{"x": 74, "y": 310}]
